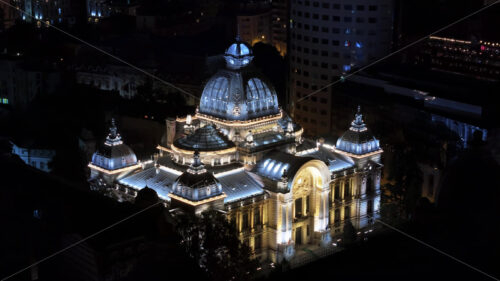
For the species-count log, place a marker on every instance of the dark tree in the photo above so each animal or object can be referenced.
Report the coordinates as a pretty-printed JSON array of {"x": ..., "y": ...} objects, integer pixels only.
[
  {"x": 212, "y": 241},
  {"x": 349, "y": 236}
]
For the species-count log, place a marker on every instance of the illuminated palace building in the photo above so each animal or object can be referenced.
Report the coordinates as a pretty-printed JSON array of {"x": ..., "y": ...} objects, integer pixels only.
[{"x": 242, "y": 154}]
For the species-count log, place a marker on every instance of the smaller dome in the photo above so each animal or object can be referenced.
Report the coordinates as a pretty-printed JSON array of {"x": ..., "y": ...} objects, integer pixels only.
[
  {"x": 238, "y": 55},
  {"x": 196, "y": 183},
  {"x": 358, "y": 139},
  {"x": 204, "y": 139},
  {"x": 238, "y": 49},
  {"x": 114, "y": 154}
]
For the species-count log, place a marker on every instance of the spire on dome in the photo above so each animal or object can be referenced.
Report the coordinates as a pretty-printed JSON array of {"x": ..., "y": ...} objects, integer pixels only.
[
  {"x": 197, "y": 166},
  {"x": 113, "y": 137},
  {"x": 239, "y": 54},
  {"x": 358, "y": 124},
  {"x": 237, "y": 38},
  {"x": 358, "y": 140}
]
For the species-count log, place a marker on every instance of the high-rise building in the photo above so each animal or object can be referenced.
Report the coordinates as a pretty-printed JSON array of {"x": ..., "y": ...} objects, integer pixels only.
[
  {"x": 50, "y": 12},
  {"x": 327, "y": 40},
  {"x": 279, "y": 19}
]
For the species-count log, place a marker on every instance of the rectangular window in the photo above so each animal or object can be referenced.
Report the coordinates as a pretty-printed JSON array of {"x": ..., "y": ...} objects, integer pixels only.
[
  {"x": 258, "y": 242},
  {"x": 307, "y": 205},
  {"x": 337, "y": 192},
  {"x": 244, "y": 224},
  {"x": 256, "y": 217},
  {"x": 347, "y": 189},
  {"x": 347, "y": 213},
  {"x": 369, "y": 207}
]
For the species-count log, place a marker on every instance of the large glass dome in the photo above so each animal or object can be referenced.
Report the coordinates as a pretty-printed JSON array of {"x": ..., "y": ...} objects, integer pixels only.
[{"x": 238, "y": 93}]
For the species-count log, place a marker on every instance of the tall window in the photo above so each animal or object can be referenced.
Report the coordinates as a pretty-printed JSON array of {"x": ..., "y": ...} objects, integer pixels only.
[
  {"x": 337, "y": 191},
  {"x": 307, "y": 205},
  {"x": 298, "y": 208},
  {"x": 369, "y": 185},
  {"x": 258, "y": 242},
  {"x": 337, "y": 217},
  {"x": 245, "y": 224},
  {"x": 256, "y": 217},
  {"x": 347, "y": 213},
  {"x": 347, "y": 189},
  {"x": 369, "y": 207}
]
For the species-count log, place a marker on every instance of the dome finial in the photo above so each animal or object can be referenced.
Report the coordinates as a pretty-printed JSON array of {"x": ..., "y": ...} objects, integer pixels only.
[
  {"x": 112, "y": 129},
  {"x": 196, "y": 158},
  {"x": 238, "y": 37},
  {"x": 197, "y": 166},
  {"x": 359, "y": 117},
  {"x": 113, "y": 137}
]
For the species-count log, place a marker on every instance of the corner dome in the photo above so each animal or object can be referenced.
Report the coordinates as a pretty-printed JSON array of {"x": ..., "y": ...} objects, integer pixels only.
[
  {"x": 114, "y": 154},
  {"x": 205, "y": 138},
  {"x": 358, "y": 139}
]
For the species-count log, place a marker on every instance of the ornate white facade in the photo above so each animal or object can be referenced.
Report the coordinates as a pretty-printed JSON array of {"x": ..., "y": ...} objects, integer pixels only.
[{"x": 242, "y": 154}]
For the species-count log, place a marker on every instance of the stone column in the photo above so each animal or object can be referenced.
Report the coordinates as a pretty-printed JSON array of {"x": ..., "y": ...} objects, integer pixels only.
[
  {"x": 284, "y": 227},
  {"x": 321, "y": 215}
]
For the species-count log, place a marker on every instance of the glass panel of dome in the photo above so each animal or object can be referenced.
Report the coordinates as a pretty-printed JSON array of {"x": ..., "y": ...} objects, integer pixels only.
[
  {"x": 266, "y": 163},
  {"x": 232, "y": 49},
  {"x": 276, "y": 169},
  {"x": 244, "y": 50},
  {"x": 271, "y": 165},
  {"x": 285, "y": 167}
]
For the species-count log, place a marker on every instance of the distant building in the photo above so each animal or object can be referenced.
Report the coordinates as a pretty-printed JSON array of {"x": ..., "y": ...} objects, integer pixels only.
[
  {"x": 99, "y": 9},
  {"x": 280, "y": 23},
  {"x": 22, "y": 80},
  {"x": 122, "y": 79},
  {"x": 8, "y": 16},
  {"x": 39, "y": 158},
  {"x": 288, "y": 196},
  {"x": 478, "y": 59},
  {"x": 329, "y": 39},
  {"x": 51, "y": 12},
  {"x": 254, "y": 22}
]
